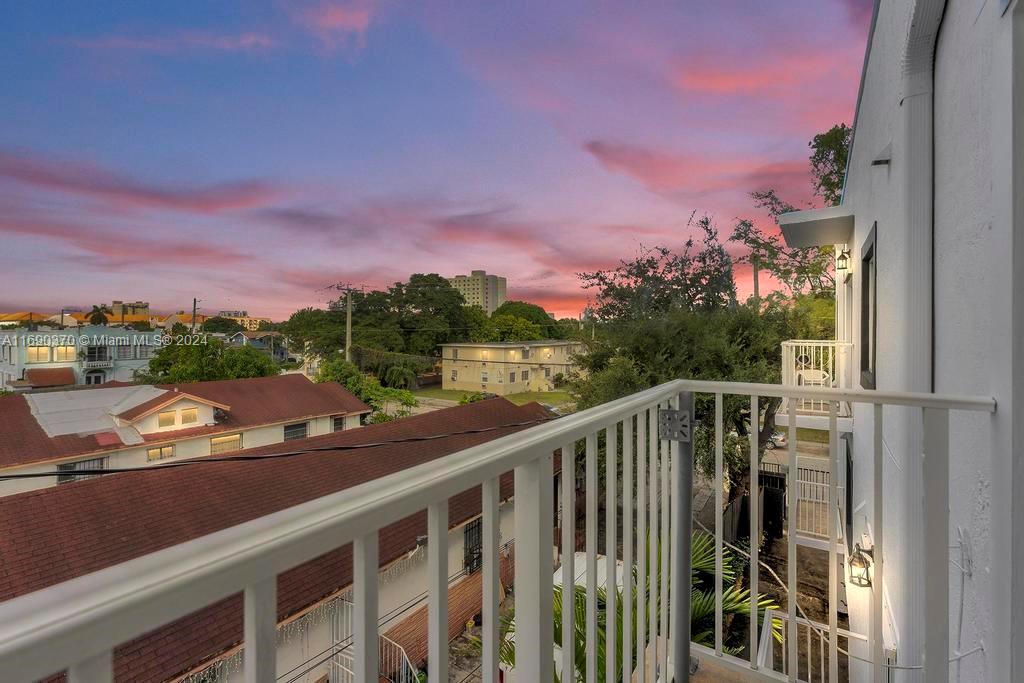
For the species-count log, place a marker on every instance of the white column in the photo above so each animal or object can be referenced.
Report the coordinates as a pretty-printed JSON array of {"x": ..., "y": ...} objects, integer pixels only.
[
  {"x": 260, "y": 653},
  {"x": 437, "y": 587},
  {"x": 98, "y": 669},
  {"x": 491, "y": 580},
  {"x": 936, "y": 545},
  {"x": 365, "y": 567},
  {"x": 534, "y": 515}
]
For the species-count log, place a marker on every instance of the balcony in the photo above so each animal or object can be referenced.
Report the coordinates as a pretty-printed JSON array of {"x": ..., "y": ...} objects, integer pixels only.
[
  {"x": 817, "y": 364},
  {"x": 631, "y": 466},
  {"x": 97, "y": 364}
]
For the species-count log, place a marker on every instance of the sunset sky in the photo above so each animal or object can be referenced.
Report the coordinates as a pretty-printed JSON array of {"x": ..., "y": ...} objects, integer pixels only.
[{"x": 251, "y": 153}]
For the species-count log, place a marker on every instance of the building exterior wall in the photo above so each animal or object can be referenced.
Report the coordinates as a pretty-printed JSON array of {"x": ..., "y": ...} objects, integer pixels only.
[
  {"x": 194, "y": 447},
  {"x": 975, "y": 306},
  {"x": 128, "y": 351},
  {"x": 490, "y": 367},
  {"x": 480, "y": 289}
]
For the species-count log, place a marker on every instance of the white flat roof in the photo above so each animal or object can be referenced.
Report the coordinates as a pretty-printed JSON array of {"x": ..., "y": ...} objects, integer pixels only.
[
  {"x": 88, "y": 411},
  {"x": 817, "y": 227}
]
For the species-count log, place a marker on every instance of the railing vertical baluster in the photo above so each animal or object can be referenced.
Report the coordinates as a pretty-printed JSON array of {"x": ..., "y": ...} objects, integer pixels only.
[
  {"x": 437, "y": 582},
  {"x": 260, "y": 632},
  {"x": 665, "y": 546},
  {"x": 791, "y": 495},
  {"x": 833, "y": 541},
  {"x": 627, "y": 549},
  {"x": 875, "y": 630},
  {"x": 719, "y": 526},
  {"x": 653, "y": 502},
  {"x": 568, "y": 562},
  {"x": 365, "y": 566},
  {"x": 936, "y": 544},
  {"x": 534, "y": 512},
  {"x": 641, "y": 545},
  {"x": 682, "y": 527},
  {"x": 98, "y": 669},
  {"x": 755, "y": 527},
  {"x": 491, "y": 580},
  {"x": 592, "y": 500},
  {"x": 610, "y": 546}
]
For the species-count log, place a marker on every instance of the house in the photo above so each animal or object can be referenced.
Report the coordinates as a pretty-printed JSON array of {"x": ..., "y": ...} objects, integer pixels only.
[
  {"x": 130, "y": 425},
  {"x": 186, "y": 319},
  {"x": 124, "y": 318},
  {"x": 480, "y": 289},
  {"x": 23, "y": 318},
  {"x": 33, "y": 359},
  {"x": 244, "y": 319},
  {"x": 132, "y": 514},
  {"x": 507, "y": 367},
  {"x": 271, "y": 343},
  {"x": 931, "y": 299}
]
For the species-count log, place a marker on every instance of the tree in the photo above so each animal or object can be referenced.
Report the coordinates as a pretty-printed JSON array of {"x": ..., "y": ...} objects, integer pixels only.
[
  {"x": 660, "y": 280},
  {"x": 735, "y": 606},
  {"x": 387, "y": 403},
  {"x": 549, "y": 328},
  {"x": 509, "y": 328},
  {"x": 204, "y": 362},
  {"x": 831, "y": 151},
  {"x": 98, "y": 315},
  {"x": 315, "y": 332},
  {"x": 220, "y": 324}
]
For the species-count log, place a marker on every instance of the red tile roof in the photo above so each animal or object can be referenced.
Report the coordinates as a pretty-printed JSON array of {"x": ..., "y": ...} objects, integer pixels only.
[
  {"x": 49, "y": 377},
  {"x": 254, "y": 402},
  {"x": 92, "y": 524}
]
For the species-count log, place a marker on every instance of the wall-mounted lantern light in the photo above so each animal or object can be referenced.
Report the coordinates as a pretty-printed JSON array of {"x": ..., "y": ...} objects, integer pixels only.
[
  {"x": 843, "y": 261},
  {"x": 861, "y": 561}
]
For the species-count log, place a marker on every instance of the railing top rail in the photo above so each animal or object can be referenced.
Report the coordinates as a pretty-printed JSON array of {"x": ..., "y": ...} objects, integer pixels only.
[
  {"x": 50, "y": 629},
  {"x": 822, "y": 342}
]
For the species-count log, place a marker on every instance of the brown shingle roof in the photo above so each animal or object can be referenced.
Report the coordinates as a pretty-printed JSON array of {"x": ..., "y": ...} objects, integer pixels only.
[
  {"x": 166, "y": 399},
  {"x": 38, "y": 378},
  {"x": 254, "y": 402},
  {"x": 52, "y": 535}
]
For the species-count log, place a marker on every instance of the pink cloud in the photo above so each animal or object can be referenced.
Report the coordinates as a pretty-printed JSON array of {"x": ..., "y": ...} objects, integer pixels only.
[
  {"x": 178, "y": 42},
  {"x": 336, "y": 25},
  {"x": 119, "y": 191}
]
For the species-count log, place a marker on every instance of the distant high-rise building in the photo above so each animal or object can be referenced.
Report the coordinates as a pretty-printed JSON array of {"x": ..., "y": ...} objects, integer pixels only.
[{"x": 480, "y": 289}]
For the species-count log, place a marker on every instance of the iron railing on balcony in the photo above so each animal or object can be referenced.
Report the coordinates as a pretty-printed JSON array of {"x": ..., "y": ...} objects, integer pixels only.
[
  {"x": 77, "y": 625},
  {"x": 817, "y": 364}
]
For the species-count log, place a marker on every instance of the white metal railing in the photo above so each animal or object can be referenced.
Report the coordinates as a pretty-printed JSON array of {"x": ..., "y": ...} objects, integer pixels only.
[
  {"x": 77, "y": 625},
  {"x": 811, "y": 663},
  {"x": 393, "y": 663},
  {"x": 817, "y": 363}
]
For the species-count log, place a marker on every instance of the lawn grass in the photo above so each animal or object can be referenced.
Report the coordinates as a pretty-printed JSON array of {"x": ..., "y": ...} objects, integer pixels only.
[
  {"x": 815, "y": 435},
  {"x": 552, "y": 398},
  {"x": 437, "y": 392}
]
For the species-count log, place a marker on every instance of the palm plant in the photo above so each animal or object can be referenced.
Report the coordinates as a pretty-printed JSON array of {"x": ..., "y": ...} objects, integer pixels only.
[{"x": 735, "y": 602}]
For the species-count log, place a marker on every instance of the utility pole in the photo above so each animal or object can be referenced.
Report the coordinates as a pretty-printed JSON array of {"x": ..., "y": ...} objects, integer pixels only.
[
  {"x": 756, "y": 263},
  {"x": 348, "y": 325},
  {"x": 195, "y": 303}
]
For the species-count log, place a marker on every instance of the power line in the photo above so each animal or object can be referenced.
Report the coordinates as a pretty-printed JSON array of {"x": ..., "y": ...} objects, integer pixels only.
[{"x": 271, "y": 456}]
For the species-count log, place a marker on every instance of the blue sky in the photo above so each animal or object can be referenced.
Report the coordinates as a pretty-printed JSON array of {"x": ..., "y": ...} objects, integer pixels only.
[{"x": 250, "y": 153}]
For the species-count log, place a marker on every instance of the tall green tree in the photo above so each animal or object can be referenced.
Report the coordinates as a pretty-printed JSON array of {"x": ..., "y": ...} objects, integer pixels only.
[
  {"x": 509, "y": 328},
  {"x": 830, "y": 152},
  {"x": 388, "y": 403},
  {"x": 98, "y": 315},
  {"x": 662, "y": 280},
  {"x": 220, "y": 324},
  {"x": 212, "y": 360},
  {"x": 549, "y": 328}
]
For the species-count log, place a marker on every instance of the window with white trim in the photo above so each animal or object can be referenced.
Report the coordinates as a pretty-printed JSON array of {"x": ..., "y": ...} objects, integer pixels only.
[
  {"x": 297, "y": 430},
  {"x": 483, "y": 376},
  {"x": 166, "y": 419},
  {"x": 455, "y": 375},
  {"x": 160, "y": 452},
  {"x": 338, "y": 423},
  {"x": 63, "y": 354},
  {"x": 189, "y": 415},
  {"x": 526, "y": 375},
  {"x": 225, "y": 444},
  {"x": 37, "y": 354}
]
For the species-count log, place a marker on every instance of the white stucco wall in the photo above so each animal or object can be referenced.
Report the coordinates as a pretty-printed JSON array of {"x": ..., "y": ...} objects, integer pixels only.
[{"x": 973, "y": 289}]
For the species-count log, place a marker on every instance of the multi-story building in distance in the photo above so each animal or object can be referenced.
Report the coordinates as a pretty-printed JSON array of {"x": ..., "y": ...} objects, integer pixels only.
[
  {"x": 480, "y": 289},
  {"x": 507, "y": 367}
]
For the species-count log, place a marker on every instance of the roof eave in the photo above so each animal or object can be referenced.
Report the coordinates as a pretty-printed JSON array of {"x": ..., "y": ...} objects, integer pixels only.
[{"x": 817, "y": 227}]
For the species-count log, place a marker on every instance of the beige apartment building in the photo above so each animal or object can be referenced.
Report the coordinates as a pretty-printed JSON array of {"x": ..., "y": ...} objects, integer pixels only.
[
  {"x": 507, "y": 367},
  {"x": 480, "y": 289}
]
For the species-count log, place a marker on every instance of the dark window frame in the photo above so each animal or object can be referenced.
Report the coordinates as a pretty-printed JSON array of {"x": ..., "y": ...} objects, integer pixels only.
[
  {"x": 473, "y": 546},
  {"x": 305, "y": 430},
  {"x": 869, "y": 310},
  {"x": 68, "y": 471},
  {"x": 338, "y": 420}
]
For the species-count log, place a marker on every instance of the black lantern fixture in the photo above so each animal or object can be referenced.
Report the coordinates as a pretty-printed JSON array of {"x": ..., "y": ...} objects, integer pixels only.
[
  {"x": 843, "y": 260},
  {"x": 860, "y": 566}
]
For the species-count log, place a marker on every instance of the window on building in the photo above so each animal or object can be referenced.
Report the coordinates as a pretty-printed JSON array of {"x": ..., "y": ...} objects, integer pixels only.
[
  {"x": 338, "y": 423},
  {"x": 37, "y": 354},
  {"x": 526, "y": 354},
  {"x": 145, "y": 351},
  {"x": 455, "y": 375},
  {"x": 225, "y": 444},
  {"x": 473, "y": 550},
  {"x": 97, "y": 353},
  {"x": 68, "y": 471},
  {"x": 189, "y": 416},
  {"x": 124, "y": 352},
  {"x": 297, "y": 430},
  {"x": 455, "y": 354},
  {"x": 160, "y": 452},
  {"x": 64, "y": 353},
  {"x": 868, "y": 310},
  {"x": 511, "y": 376},
  {"x": 547, "y": 373},
  {"x": 483, "y": 376},
  {"x": 166, "y": 419},
  {"x": 526, "y": 375},
  {"x": 500, "y": 376},
  {"x": 94, "y": 377}
]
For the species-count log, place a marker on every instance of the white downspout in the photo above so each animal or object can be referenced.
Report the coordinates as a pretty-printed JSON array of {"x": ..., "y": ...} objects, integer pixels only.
[{"x": 917, "y": 356}]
